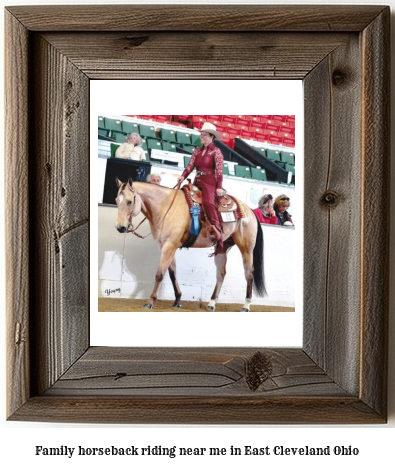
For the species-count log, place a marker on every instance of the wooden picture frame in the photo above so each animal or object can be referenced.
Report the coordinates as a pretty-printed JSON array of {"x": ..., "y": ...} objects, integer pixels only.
[{"x": 340, "y": 374}]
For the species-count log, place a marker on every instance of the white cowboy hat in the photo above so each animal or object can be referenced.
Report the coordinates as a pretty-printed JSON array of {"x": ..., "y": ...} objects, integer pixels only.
[{"x": 211, "y": 129}]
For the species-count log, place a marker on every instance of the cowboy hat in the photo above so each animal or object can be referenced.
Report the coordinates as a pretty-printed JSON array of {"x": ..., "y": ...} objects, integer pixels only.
[{"x": 211, "y": 129}]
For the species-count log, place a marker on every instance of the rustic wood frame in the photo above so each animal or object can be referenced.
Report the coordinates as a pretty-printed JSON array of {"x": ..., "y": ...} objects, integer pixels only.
[{"x": 340, "y": 374}]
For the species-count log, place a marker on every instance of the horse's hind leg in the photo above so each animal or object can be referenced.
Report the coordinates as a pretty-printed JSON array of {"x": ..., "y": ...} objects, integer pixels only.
[
  {"x": 249, "y": 275},
  {"x": 220, "y": 262},
  {"x": 246, "y": 246},
  {"x": 166, "y": 257},
  {"x": 173, "y": 277}
]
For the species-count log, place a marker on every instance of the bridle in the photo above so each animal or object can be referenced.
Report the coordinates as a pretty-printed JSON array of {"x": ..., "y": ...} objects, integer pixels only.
[{"x": 131, "y": 229}]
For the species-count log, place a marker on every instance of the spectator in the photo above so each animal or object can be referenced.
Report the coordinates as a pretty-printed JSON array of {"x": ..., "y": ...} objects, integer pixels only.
[
  {"x": 131, "y": 149},
  {"x": 281, "y": 205},
  {"x": 265, "y": 212},
  {"x": 154, "y": 178}
]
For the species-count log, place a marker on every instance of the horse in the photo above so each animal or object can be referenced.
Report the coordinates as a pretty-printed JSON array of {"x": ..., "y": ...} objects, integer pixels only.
[{"x": 168, "y": 214}]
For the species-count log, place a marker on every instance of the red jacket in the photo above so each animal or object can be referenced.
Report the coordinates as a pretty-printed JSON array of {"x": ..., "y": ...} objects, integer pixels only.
[{"x": 265, "y": 220}]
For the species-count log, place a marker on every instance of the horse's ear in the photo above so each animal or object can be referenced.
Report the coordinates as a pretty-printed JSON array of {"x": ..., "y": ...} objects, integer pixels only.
[
  {"x": 118, "y": 181},
  {"x": 130, "y": 182}
]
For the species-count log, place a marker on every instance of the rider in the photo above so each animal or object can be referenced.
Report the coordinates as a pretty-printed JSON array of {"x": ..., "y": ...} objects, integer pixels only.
[{"x": 208, "y": 160}]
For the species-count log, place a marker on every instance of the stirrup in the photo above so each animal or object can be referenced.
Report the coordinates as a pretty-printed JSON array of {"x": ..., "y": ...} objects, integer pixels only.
[{"x": 214, "y": 234}]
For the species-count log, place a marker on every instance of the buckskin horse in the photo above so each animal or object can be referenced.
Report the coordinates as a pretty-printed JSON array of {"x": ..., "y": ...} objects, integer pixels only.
[{"x": 170, "y": 228}]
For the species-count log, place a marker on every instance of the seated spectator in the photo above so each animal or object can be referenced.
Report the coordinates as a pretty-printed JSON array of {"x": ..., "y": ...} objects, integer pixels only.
[
  {"x": 131, "y": 149},
  {"x": 265, "y": 212},
  {"x": 281, "y": 204},
  {"x": 154, "y": 178}
]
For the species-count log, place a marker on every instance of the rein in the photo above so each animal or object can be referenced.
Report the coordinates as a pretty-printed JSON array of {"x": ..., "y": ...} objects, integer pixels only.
[
  {"x": 175, "y": 194},
  {"x": 133, "y": 230}
]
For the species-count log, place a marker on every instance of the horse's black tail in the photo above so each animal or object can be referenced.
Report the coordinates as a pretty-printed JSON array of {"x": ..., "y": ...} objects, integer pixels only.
[{"x": 259, "y": 268}]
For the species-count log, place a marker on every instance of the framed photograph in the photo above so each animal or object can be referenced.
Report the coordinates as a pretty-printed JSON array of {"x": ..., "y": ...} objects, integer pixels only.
[
  {"x": 128, "y": 262},
  {"x": 339, "y": 375}
]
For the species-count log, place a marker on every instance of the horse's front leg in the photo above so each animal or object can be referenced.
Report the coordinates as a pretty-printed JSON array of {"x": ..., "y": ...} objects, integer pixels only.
[
  {"x": 220, "y": 259},
  {"x": 166, "y": 256},
  {"x": 173, "y": 277}
]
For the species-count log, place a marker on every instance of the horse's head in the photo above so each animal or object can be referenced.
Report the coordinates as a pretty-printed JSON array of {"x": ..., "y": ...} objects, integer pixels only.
[{"x": 128, "y": 203}]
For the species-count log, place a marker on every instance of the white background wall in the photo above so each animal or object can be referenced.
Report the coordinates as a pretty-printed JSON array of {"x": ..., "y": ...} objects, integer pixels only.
[
  {"x": 17, "y": 440},
  {"x": 276, "y": 97},
  {"x": 128, "y": 264}
]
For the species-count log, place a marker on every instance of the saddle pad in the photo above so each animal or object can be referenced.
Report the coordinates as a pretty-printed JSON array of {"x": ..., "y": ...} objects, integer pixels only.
[
  {"x": 192, "y": 194},
  {"x": 231, "y": 204},
  {"x": 237, "y": 208}
]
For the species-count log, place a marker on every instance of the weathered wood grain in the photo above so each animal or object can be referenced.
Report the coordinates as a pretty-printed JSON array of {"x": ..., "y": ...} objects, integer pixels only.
[
  {"x": 206, "y": 372},
  {"x": 196, "y": 17},
  {"x": 376, "y": 190},
  {"x": 60, "y": 215},
  {"x": 317, "y": 152},
  {"x": 339, "y": 376},
  {"x": 190, "y": 55},
  {"x": 17, "y": 213},
  {"x": 333, "y": 208},
  {"x": 198, "y": 410}
]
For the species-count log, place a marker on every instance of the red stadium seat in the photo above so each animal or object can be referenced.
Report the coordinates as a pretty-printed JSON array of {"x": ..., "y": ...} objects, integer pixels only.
[
  {"x": 242, "y": 122},
  {"x": 257, "y": 125},
  {"x": 229, "y": 142},
  {"x": 197, "y": 121},
  {"x": 162, "y": 117},
  {"x": 241, "y": 126},
  {"x": 246, "y": 134},
  {"x": 288, "y": 142},
  {"x": 220, "y": 128},
  {"x": 271, "y": 127},
  {"x": 264, "y": 121},
  {"x": 214, "y": 117},
  {"x": 288, "y": 129},
  {"x": 279, "y": 117},
  {"x": 285, "y": 134},
  {"x": 260, "y": 136},
  {"x": 229, "y": 119},
  {"x": 182, "y": 117},
  {"x": 233, "y": 132},
  {"x": 275, "y": 140}
]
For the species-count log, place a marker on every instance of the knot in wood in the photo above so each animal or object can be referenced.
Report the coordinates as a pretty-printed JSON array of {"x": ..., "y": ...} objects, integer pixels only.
[
  {"x": 135, "y": 41},
  {"x": 48, "y": 167},
  {"x": 330, "y": 199},
  {"x": 340, "y": 77},
  {"x": 259, "y": 369}
]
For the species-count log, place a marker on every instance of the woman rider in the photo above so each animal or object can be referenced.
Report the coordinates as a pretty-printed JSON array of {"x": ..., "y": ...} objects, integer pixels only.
[{"x": 208, "y": 160}]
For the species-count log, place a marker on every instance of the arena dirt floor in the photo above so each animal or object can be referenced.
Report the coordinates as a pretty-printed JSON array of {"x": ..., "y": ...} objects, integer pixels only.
[{"x": 132, "y": 305}]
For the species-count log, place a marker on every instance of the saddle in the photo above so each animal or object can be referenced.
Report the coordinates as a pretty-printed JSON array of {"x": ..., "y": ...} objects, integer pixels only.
[{"x": 226, "y": 204}]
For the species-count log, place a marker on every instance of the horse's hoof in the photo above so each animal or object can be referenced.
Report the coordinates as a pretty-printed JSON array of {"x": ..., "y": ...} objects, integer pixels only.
[
  {"x": 176, "y": 305},
  {"x": 148, "y": 306},
  {"x": 212, "y": 309},
  {"x": 245, "y": 310}
]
